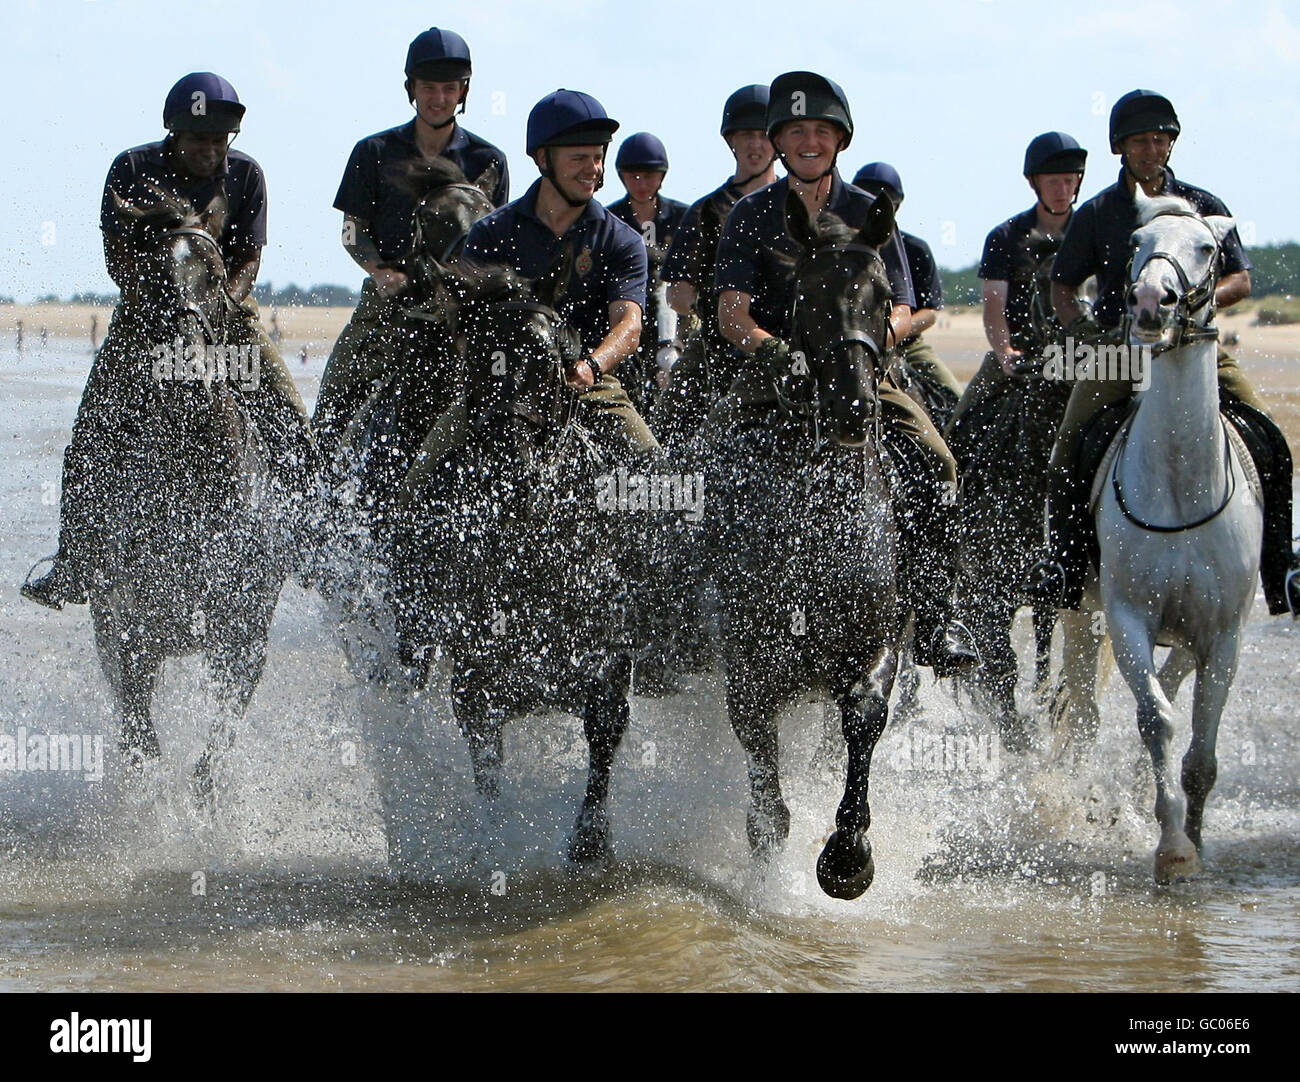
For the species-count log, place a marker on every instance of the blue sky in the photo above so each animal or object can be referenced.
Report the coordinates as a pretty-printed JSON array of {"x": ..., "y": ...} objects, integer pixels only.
[{"x": 950, "y": 93}]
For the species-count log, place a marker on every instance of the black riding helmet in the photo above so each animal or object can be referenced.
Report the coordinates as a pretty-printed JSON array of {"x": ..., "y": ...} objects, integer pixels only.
[
  {"x": 805, "y": 95},
  {"x": 440, "y": 56},
  {"x": 1139, "y": 111},
  {"x": 746, "y": 110},
  {"x": 1054, "y": 152}
]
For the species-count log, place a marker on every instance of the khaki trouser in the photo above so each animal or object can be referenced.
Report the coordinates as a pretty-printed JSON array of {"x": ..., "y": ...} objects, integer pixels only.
[
  {"x": 1089, "y": 397},
  {"x": 926, "y": 365},
  {"x": 606, "y": 410},
  {"x": 352, "y": 369}
]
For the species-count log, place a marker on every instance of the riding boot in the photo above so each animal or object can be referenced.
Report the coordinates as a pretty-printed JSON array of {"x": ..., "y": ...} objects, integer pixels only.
[
  {"x": 1057, "y": 580},
  {"x": 1278, "y": 562},
  {"x": 64, "y": 583},
  {"x": 926, "y": 514}
]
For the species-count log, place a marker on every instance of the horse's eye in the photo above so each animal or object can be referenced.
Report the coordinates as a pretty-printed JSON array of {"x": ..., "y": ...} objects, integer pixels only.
[{"x": 1207, "y": 248}]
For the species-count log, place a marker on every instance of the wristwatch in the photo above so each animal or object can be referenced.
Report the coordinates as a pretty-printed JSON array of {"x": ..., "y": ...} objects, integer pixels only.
[{"x": 596, "y": 374}]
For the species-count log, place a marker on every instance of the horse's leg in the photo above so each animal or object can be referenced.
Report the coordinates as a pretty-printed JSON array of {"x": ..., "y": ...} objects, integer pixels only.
[
  {"x": 752, "y": 711},
  {"x": 139, "y": 668},
  {"x": 236, "y": 665},
  {"x": 1044, "y": 624},
  {"x": 604, "y": 721},
  {"x": 1135, "y": 653},
  {"x": 1002, "y": 672},
  {"x": 1200, "y": 766},
  {"x": 845, "y": 868},
  {"x": 1076, "y": 718},
  {"x": 482, "y": 727},
  {"x": 1174, "y": 671}
]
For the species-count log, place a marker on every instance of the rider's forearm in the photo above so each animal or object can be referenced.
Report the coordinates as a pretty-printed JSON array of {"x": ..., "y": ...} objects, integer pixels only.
[
  {"x": 922, "y": 320},
  {"x": 120, "y": 263},
  {"x": 900, "y": 323},
  {"x": 243, "y": 276},
  {"x": 737, "y": 325},
  {"x": 996, "y": 329},
  {"x": 1065, "y": 303},
  {"x": 623, "y": 340},
  {"x": 682, "y": 297},
  {"x": 360, "y": 245},
  {"x": 1232, "y": 289}
]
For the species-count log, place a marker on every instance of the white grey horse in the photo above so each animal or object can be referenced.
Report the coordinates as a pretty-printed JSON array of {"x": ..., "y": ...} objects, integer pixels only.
[{"x": 1179, "y": 523}]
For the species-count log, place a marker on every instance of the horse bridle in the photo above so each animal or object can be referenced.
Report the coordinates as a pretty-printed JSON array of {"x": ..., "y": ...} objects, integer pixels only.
[
  {"x": 1193, "y": 298},
  {"x": 189, "y": 306},
  {"x": 809, "y": 411},
  {"x": 567, "y": 353},
  {"x": 453, "y": 247}
]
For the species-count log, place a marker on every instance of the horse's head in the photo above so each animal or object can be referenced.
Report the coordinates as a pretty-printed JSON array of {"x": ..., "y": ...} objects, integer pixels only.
[
  {"x": 180, "y": 264},
  {"x": 841, "y": 312},
  {"x": 517, "y": 348},
  {"x": 1174, "y": 268},
  {"x": 446, "y": 205}
]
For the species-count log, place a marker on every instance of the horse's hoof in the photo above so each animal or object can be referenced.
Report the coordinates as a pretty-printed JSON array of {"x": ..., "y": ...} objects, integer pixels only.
[
  {"x": 767, "y": 830},
  {"x": 1176, "y": 860},
  {"x": 845, "y": 869},
  {"x": 589, "y": 842}
]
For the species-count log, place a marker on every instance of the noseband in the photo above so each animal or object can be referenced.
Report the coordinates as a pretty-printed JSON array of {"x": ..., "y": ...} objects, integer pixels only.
[
  {"x": 568, "y": 350},
  {"x": 1194, "y": 298},
  {"x": 209, "y": 332}
]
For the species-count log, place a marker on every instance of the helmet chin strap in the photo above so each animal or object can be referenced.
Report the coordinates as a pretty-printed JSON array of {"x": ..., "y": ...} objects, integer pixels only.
[
  {"x": 549, "y": 174},
  {"x": 742, "y": 181}
]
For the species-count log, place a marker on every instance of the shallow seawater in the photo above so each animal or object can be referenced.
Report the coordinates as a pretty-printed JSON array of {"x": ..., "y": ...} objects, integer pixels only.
[{"x": 993, "y": 871}]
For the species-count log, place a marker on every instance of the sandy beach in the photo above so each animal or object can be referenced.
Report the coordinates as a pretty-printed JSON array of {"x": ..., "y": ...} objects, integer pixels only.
[{"x": 1271, "y": 355}]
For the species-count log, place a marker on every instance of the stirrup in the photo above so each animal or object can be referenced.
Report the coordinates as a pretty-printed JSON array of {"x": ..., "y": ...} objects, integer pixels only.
[{"x": 953, "y": 650}]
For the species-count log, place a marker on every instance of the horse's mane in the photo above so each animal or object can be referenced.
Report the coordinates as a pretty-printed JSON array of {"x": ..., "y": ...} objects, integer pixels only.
[
  {"x": 478, "y": 282},
  {"x": 1163, "y": 204},
  {"x": 421, "y": 176}
]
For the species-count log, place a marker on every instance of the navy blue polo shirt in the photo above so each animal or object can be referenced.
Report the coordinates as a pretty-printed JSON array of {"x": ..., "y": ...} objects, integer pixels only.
[
  {"x": 756, "y": 255},
  {"x": 239, "y": 177},
  {"x": 609, "y": 258},
  {"x": 693, "y": 254},
  {"x": 368, "y": 192},
  {"x": 658, "y": 236},
  {"x": 1097, "y": 241},
  {"x": 1007, "y": 258},
  {"x": 658, "y": 239},
  {"x": 926, "y": 283}
]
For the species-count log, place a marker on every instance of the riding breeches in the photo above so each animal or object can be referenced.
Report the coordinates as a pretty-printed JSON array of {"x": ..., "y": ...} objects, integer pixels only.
[
  {"x": 990, "y": 379},
  {"x": 928, "y": 367},
  {"x": 616, "y": 427}
]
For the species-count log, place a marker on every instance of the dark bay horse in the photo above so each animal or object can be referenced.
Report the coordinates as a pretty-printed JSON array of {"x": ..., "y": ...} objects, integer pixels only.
[
  {"x": 506, "y": 564},
  {"x": 1002, "y": 443},
  {"x": 184, "y": 549},
  {"x": 422, "y": 360},
  {"x": 803, "y": 542}
]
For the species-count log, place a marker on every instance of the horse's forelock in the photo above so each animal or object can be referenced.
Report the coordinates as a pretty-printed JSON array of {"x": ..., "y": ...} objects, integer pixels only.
[
  {"x": 1163, "y": 204},
  {"x": 419, "y": 178}
]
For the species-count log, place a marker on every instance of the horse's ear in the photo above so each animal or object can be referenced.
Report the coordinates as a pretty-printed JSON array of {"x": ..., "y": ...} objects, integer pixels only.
[
  {"x": 486, "y": 181},
  {"x": 213, "y": 218},
  {"x": 551, "y": 286},
  {"x": 1221, "y": 224},
  {"x": 123, "y": 208},
  {"x": 798, "y": 223},
  {"x": 879, "y": 224}
]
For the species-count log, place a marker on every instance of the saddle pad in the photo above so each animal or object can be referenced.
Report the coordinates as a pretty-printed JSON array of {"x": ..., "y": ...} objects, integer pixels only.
[{"x": 1234, "y": 440}]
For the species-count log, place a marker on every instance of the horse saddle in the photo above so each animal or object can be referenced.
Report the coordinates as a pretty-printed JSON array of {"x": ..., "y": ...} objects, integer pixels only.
[{"x": 1101, "y": 443}]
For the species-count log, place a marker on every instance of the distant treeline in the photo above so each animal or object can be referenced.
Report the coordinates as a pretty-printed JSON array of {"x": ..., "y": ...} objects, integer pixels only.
[
  {"x": 321, "y": 296},
  {"x": 1276, "y": 272}
]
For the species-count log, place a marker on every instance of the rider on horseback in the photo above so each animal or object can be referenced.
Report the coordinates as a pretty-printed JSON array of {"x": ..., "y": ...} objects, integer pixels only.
[
  {"x": 642, "y": 164},
  {"x": 1143, "y": 128},
  {"x": 194, "y": 164},
  {"x": 691, "y": 266},
  {"x": 605, "y": 293},
  {"x": 809, "y": 123},
  {"x": 882, "y": 179},
  {"x": 1054, "y": 165},
  {"x": 378, "y": 211}
]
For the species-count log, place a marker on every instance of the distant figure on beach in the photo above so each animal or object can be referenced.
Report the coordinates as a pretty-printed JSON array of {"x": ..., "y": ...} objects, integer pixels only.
[
  {"x": 94, "y": 332},
  {"x": 20, "y": 336},
  {"x": 275, "y": 327}
]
